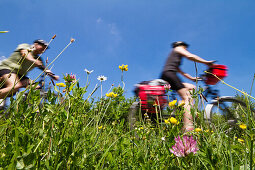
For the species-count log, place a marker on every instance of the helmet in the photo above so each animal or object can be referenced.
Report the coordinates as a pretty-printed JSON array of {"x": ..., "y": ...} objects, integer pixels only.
[
  {"x": 179, "y": 43},
  {"x": 41, "y": 42}
]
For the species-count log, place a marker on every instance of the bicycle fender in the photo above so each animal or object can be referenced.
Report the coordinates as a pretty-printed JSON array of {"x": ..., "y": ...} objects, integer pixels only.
[{"x": 207, "y": 114}]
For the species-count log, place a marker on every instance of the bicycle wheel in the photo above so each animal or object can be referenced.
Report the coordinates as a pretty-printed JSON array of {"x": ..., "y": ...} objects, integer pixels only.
[{"x": 227, "y": 111}]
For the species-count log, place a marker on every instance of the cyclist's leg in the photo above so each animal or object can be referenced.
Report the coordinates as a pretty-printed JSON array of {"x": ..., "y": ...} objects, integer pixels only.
[
  {"x": 183, "y": 91},
  {"x": 11, "y": 85},
  {"x": 187, "y": 117}
]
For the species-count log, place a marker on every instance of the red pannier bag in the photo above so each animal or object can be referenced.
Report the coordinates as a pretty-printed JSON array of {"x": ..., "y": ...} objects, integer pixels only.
[
  {"x": 151, "y": 95},
  {"x": 218, "y": 70}
]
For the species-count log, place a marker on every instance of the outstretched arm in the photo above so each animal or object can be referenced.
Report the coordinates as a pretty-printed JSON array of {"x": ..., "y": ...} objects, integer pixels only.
[
  {"x": 37, "y": 62},
  {"x": 28, "y": 55},
  {"x": 191, "y": 56}
]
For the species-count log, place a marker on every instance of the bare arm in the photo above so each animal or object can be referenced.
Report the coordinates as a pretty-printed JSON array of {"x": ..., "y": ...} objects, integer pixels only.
[
  {"x": 38, "y": 63},
  {"x": 191, "y": 56},
  {"x": 27, "y": 54}
]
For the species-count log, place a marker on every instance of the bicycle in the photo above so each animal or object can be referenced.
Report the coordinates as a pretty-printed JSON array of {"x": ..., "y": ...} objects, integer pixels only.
[{"x": 220, "y": 109}]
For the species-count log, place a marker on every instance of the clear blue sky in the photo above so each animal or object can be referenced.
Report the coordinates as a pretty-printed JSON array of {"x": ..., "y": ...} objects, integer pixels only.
[{"x": 109, "y": 33}]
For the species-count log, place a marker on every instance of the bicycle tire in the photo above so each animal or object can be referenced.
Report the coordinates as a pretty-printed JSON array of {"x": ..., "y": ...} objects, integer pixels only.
[{"x": 226, "y": 109}]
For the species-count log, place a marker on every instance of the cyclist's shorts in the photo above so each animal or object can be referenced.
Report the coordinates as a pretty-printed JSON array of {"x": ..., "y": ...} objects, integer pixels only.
[
  {"x": 173, "y": 80},
  {"x": 6, "y": 71}
]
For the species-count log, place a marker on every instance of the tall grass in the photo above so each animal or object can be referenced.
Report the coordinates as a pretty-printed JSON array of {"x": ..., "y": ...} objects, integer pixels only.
[{"x": 66, "y": 131}]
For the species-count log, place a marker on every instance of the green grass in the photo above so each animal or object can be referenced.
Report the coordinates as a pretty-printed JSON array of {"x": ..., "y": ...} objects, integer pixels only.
[{"x": 70, "y": 132}]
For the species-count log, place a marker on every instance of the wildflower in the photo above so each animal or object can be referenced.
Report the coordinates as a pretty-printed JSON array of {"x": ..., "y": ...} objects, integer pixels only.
[
  {"x": 100, "y": 127},
  {"x": 207, "y": 130},
  {"x": 101, "y": 78},
  {"x": 167, "y": 86},
  {"x": 70, "y": 78},
  {"x": 182, "y": 103},
  {"x": 61, "y": 84},
  {"x": 111, "y": 94},
  {"x": 243, "y": 126},
  {"x": 172, "y": 103},
  {"x": 123, "y": 67},
  {"x": 87, "y": 71},
  {"x": 173, "y": 120},
  {"x": 184, "y": 147},
  {"x": 163, "y": 138},
  {"x": 240, "y": 140},
  {"x": 167, "y": 121},
  {"x": 198, "y": 130}
]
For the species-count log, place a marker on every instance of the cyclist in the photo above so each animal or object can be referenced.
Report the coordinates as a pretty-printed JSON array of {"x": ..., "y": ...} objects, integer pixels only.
[
  {"x": 13, "y": 70},
  {"x": 169, "y": 74}
]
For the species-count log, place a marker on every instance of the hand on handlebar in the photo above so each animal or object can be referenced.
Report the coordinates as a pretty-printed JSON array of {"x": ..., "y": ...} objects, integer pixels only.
[
  {"x": 209, "y": 63},
  {"x": 55, "y": 77},
  {"x": 195, "y": 79},
  {"x": 52, "y": 75}
]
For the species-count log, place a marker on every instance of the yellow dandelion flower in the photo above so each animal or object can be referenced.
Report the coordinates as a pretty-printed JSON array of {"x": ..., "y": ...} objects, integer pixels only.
[
  {"x": 111, "y": 94},
  {"x": 126, "y": 68},
  {"x": 100, "y": 127},
  {"x": 198, "y": 130},
  {"x": 207, "y": 130},
  {"x": 182, "y": 103},
  {"x": 173, "y": 120},
  {"x": 141, "y": 128},
  {"x": 172, "y": 103},
  {"x": 123, "y": 67},
  {"x": 61, "y": 84},
  {"x": 167, "y": 121},
  {"x": 243, "y": 126},
  {"x": 240, "y": 140}
]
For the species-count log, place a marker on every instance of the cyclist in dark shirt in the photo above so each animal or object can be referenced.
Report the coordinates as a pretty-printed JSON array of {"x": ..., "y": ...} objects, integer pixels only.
[{"x": 169, "y": 74}]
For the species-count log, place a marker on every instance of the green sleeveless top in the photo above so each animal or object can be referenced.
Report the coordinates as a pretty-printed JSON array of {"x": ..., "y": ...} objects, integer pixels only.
[{"x": 18, "y": 64}]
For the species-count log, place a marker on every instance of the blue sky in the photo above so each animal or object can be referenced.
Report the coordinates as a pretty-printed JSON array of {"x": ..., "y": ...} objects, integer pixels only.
[{"x": 138, "y": 33}]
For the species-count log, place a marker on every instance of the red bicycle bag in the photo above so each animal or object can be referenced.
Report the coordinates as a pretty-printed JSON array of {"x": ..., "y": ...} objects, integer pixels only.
[
  {"x": 218, "y": 70},
  {"x": 151, "y": 96}
]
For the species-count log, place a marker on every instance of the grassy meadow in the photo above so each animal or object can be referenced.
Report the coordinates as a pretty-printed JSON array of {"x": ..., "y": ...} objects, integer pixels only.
[{"x": 73, "y": 129}]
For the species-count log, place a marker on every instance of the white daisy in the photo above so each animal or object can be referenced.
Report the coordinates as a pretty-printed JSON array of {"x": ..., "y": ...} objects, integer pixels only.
[
  {"x": 87, "y": 71},
  {"x": 101, "y": 78}
]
